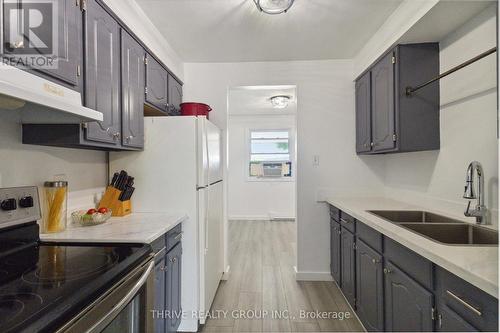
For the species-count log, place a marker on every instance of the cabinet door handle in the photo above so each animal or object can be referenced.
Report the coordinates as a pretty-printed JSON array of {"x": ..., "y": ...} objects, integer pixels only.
[
  {"x": 375, "y": 261},
  {"x": 174, "y": 259},
  {"x": 163, "y": 268},
  {"x": 128, "y": 138},
  {"x": 387, "y": 271},
  {"x": 464, "y": 303},
  {"x": 440, "y": 321}
]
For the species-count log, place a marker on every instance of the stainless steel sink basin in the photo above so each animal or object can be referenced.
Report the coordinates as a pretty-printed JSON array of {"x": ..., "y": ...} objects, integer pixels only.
[
  {"x": 455, "y": 234},
  {"x": 412, "y": 216},
  {"x": 440, "y": 228}
]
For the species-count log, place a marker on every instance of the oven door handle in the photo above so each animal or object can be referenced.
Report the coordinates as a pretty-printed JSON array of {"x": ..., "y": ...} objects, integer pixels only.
[{"x": 107, "y": 318}]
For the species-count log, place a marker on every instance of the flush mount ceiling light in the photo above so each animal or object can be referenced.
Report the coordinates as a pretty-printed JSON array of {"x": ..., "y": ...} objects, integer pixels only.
[
  {"x": 280, "y": 102},
  {"x": 273, "y": 6}
]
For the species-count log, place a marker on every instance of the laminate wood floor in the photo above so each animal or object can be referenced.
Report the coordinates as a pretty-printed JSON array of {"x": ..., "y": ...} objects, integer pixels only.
[{"x": 262, "y": 284}]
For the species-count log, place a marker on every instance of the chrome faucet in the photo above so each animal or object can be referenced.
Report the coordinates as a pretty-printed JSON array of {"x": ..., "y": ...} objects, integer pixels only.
[{"x": 480, "y": 211}]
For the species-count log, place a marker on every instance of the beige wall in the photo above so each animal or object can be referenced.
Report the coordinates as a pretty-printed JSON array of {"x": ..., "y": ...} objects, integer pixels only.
[
  {"x": 468, "y": 123},
  {"x": 32, "y": 165}
]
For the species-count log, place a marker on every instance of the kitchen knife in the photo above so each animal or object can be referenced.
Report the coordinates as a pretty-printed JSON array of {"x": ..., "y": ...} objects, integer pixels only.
[
  {"x": 115, "y": 178},
  {"x": 120, "y": 183}
]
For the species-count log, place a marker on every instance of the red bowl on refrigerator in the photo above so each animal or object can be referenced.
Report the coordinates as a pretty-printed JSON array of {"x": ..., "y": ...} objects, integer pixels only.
[{"x": 195, "y": 109}]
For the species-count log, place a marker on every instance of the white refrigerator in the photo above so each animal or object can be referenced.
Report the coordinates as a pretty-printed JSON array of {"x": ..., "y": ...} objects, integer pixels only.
[{"x": 180, "y": 170}]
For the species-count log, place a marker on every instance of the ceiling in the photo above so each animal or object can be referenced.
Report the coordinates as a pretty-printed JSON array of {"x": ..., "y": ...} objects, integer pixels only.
[
  {"x": 256, "y": 100},
  {"x": 235, "y": 31}
]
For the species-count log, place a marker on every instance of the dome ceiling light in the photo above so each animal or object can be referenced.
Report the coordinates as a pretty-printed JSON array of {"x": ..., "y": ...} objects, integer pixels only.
[
  {"x": 273, "y": 7},
  {"x": 280, "y": 101}
]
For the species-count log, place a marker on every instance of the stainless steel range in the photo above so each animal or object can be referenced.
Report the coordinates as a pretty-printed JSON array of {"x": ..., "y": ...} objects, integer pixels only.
[{"x": 57, "y": 287}]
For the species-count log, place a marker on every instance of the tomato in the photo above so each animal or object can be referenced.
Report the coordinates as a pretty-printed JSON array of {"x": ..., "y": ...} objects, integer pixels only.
[
  {"x": 91, "y": 211},
  {"x": 103, "y": 210}
]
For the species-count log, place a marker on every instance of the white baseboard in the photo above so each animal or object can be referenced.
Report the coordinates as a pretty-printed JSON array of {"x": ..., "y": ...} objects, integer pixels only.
[
  {"x": 248, "y": 218},
  {"x": 259, "y": 218},
  {"x": 312, "y": 276},
  {"x": 188, "y": 325},
  {"x": 225, "y": 275}
]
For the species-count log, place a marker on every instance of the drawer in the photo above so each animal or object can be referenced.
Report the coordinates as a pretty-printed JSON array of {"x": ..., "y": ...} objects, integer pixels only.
[
  {"x": 348, "y": 222},
  {"x": 469, "y": 302},
  {"x": 173, "y": 237},
  {"x": 416, "y": 266},
  {"x": 370, "y": 236},
  {"x": 335, "y": 213}
]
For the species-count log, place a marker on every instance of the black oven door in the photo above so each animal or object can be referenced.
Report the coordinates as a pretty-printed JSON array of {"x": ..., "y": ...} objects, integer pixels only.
[{"x": 123, "y": 309}]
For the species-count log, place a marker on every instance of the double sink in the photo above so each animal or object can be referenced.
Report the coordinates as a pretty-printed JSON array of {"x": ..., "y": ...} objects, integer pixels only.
[{"x": 440, "y": 228}]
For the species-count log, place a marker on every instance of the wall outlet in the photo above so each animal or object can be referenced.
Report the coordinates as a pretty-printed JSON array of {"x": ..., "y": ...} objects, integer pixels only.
[{"x": 316, "y": 160}]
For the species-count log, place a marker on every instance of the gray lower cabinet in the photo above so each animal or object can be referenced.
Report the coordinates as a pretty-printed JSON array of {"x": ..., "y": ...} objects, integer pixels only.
[
  {"x": 168, "y": 281},
  {"x": 369, "y": 287},
  {"x": 132, "y": 64},
  {"x": 348, "y": 266},
  {"x": 449, "y": 321},
  {"x": 102, "y": 73},
  {"x": 408, "y": 306},
  {"x": 467, "y": 304},
  {"x": 392, "y": 288},
  {"x": 160, "y": 295},
  {"x": 335, "y": 251},
  {"x": 173, "y": 288}
]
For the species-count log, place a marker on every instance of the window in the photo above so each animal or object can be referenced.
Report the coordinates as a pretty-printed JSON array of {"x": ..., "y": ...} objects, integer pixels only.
[{"x": 270, "y": 154}]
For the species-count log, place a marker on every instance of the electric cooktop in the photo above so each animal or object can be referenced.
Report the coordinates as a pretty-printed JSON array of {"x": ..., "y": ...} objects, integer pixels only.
[{"x": 43, "y": 285}]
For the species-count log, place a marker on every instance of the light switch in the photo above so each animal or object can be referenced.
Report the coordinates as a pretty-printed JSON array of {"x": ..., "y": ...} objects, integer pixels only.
[{"x": 316, "y": 160}]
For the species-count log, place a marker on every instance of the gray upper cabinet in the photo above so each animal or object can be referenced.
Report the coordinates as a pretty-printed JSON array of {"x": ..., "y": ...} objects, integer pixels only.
[
  {"x": 68, "y": 64},
  {"x": 369, "y": 287},
  {"x": 408, "y": 306},
  {"x": 383, "y": 117},
  {"x": 397, "y": 122},
  {"x": 174, "y": 95},
  {"x": 102, "y": 73},
  {"x": 363, "y": 114},
  {"x": 335, "y": 250},
  {"x": 156, "y": 85},
  {"x": 69, "y": 58},
  {"x": 348, "y": 266},
  {"x": 133, "y": 83}
]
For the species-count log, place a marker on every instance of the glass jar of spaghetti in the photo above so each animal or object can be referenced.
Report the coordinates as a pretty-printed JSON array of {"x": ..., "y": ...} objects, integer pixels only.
[{"x": 54, "y": 206}]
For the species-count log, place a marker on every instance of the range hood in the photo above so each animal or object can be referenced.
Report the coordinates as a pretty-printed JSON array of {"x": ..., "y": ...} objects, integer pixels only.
[{"x": 40, "y": 101}]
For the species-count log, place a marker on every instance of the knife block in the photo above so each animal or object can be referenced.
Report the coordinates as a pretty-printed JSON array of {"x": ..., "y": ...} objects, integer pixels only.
[{"x": 110, "y": 200}]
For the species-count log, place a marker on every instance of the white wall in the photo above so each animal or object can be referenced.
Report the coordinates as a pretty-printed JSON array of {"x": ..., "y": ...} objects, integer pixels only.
[
  {"x": 468, "y": 124},
  {"x": 325, "y": 127},
  {"x": 256, "y": 199},
  {"x": 135, "y": 18},
  {"x": 22, "y": 165}
]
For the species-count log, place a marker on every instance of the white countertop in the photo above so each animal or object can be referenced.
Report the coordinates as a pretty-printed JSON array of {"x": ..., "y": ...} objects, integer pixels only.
[
  {"x": 476, "y": 264},
  {"x": 134, "y": 228}
]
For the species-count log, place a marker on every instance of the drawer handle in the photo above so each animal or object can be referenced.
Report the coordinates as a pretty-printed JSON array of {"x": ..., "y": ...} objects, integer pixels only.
[
  {"x": 345, "y": 221},
  {"x": 464, "y": 303},
  {"x": 179, "y": 236}
]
